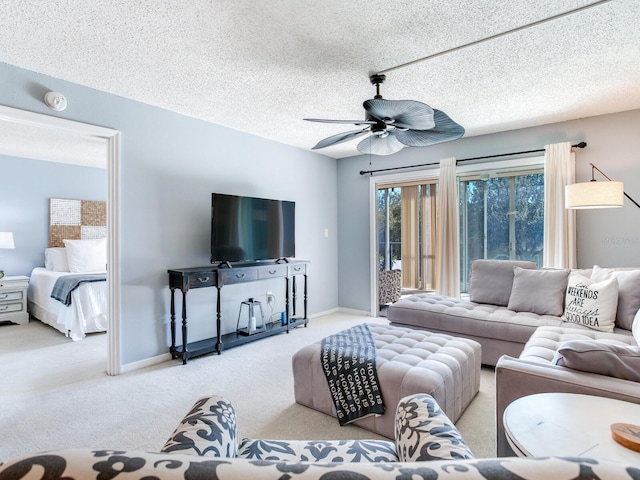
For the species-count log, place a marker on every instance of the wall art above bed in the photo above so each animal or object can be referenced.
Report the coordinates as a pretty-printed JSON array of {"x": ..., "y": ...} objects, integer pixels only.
[{"x": 76, "y": 220}]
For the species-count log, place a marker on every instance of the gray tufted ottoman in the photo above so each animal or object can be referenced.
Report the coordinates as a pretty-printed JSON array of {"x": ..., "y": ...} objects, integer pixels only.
[{"x": 408, "y": 361}]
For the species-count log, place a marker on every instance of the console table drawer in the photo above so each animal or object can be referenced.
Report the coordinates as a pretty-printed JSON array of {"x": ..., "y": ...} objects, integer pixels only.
[
  {"x": 272, "y": 271},
  {"x": 297, "y": 269},
  {"x": 238, "y": 275},
  {"x": 201, "y": 280}
]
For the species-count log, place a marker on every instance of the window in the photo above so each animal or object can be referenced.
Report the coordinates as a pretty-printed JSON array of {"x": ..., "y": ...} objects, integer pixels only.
[{"x": 501, "y": 217}]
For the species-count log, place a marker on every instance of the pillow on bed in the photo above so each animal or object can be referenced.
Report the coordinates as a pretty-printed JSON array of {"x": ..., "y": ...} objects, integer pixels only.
[
  {"x": 87, "y": 255},
  {"x": 55, "y": 259}
]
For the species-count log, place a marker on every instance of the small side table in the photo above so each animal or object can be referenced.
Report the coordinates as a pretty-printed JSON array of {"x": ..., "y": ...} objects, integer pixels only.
[
  {"x": 569, "y": 425},
  {"x": 13, "y": 299}
]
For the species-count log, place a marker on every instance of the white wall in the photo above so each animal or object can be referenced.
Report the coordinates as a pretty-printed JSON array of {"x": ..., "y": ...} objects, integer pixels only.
[
  {"x": 170, "y": 165},
  {"x": 605, "y": 237}
]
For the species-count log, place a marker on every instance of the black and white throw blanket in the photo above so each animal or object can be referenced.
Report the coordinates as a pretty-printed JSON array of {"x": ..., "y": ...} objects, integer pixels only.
[
  {"x": 66, "y": 284},
  {"x": 349, "y": 363}
]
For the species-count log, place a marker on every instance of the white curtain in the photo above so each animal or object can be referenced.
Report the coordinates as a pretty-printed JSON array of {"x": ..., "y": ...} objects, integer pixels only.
[
  {"x": 447, "y": 264},
  {"x": 559, "y": 223}
]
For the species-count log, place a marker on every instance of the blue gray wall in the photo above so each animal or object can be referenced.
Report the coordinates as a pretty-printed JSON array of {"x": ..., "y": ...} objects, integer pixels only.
[
  {"x": 170, "y": 165},
  {"x": 608, "y": 237},
  {"x": 26, "y": 189}
]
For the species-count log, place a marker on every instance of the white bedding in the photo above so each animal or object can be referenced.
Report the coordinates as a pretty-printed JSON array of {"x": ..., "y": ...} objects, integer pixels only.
[{"x": 86, "y": 314}]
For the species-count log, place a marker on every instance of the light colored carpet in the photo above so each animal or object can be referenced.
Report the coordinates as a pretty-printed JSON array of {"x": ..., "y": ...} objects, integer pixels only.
[{"x": 55, "y": 393}]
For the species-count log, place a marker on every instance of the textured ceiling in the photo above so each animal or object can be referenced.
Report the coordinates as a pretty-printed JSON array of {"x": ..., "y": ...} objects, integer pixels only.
[{"x": 260, "y": 67}]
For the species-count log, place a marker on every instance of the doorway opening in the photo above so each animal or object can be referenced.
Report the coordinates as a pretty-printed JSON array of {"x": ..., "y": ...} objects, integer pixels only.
[{"x": 48, "y": 125}]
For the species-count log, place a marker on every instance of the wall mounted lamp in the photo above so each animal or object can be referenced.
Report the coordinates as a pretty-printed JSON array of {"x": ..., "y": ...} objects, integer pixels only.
[
  {"x": 55, "y": 101},
  {"x": 595, "y": 194},
  {"x": 6, "y": 241}
]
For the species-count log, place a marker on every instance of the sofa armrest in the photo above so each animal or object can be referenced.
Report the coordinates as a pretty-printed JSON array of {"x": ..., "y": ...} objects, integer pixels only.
[
  {"x": 424, "y": 432},
  {"x": 209, "y": 429},
  {"x": 517, "y": 378}
]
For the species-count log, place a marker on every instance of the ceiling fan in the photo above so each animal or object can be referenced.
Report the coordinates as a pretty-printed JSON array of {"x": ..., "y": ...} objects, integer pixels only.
[{"x": 393, "y": 124}]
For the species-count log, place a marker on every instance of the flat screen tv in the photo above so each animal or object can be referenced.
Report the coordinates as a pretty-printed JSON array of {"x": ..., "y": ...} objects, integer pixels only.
[{"x": 248, "y": 229}]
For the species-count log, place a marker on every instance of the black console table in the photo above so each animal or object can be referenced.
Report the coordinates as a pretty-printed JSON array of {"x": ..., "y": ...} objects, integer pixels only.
[{"x": 185, "y": 279}]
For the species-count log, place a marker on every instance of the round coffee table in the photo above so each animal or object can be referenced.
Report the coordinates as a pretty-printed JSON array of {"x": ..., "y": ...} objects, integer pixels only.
[{"x": 569, "y": 424}]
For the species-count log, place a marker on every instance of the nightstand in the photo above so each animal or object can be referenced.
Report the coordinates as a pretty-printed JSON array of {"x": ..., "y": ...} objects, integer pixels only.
[{"x": 13, "y": 299}]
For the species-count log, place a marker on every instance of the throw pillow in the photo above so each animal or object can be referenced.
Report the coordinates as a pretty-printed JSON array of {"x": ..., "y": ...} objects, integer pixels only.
[
  {"x": 596, "y": 356},
  {"x": 55, "y": 259},
  {"x": 591, "y": 304},
  {"x": 490, "y": 281},
  {"x": 86, "y": 255},
  {"x": 539, "y": 291},
  {"x": 635, "y": 329},
  {"x": 628, "y": 292}
]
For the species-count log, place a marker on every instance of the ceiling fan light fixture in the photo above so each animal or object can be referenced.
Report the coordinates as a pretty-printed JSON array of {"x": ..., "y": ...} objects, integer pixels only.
[
  {"x": 374, "y": 145},
  {"x": 394, "y": 124}
]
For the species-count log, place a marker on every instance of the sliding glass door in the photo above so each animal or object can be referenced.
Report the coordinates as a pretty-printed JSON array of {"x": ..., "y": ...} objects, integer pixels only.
[{"x": 406, "y": 227}]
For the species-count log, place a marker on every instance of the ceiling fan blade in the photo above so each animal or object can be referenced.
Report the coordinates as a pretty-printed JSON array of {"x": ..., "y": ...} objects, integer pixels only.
[
  {"x": 445, "y": 130},
  {"x": 378, "y": 145},
  {"x": 339, "y": 138},
  {"x": 405, "y": 113},
  {"x": 355, "y": 122}
]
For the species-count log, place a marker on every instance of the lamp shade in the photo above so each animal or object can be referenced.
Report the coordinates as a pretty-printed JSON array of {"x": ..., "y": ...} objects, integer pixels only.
[
  {"x": 6, "y": 240},
  {"x": 594, "y": 195}
]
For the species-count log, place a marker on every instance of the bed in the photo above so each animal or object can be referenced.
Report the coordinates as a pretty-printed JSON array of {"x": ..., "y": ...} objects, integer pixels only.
[
  {"x": 77, "y": 247},
  {"x": 86, "y": 314}
]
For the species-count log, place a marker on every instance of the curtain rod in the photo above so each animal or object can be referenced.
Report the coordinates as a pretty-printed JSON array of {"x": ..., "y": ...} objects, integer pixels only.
[{"x": 371, "y": 172}]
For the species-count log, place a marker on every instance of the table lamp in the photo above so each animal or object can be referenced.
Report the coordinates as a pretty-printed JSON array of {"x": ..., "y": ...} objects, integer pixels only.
[{"x": 6, "y": 241}]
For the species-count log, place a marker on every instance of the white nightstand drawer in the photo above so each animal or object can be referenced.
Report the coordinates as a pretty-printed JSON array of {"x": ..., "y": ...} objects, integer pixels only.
[
  {"x": 11, "y": 307},
  {"x": 13, "y": 299},
  {"x": 10, "y": 296}
]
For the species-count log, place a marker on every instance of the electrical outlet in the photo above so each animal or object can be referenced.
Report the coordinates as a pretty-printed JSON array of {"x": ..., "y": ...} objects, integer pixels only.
[{"x": 270, "y": 298}]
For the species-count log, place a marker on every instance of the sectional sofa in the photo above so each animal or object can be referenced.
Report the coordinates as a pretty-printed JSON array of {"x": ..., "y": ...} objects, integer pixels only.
[
  {"x": 508, "y": 301},
  {"x": 542, "y": 329}
]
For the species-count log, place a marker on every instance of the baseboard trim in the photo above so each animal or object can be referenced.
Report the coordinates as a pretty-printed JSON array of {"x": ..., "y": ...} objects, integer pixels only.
[{"x": 147, "y": 362}]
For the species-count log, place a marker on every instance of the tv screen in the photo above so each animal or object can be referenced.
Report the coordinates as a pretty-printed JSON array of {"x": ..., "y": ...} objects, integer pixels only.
[{"x": 246, "y": 229}]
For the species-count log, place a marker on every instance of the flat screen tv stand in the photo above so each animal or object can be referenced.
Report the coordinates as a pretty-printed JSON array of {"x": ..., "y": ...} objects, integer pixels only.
[{"x": 185, "y": 279}]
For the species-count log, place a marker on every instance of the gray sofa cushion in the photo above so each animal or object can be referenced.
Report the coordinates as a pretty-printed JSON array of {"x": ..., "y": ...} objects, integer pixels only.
[
  {"x": 619, "y": 361},
  {"x": 628, "y": 292},
  {"x": 490, "y": 281},
  {"x": 546, "y": 341},
  {"x": 539, "y": 291}
]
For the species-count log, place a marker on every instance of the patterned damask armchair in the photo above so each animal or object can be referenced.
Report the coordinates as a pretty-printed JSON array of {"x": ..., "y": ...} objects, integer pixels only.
[
  {"x": 205, "y": 446},
  {"x": 389, "y": 286},
  {"x": 423, "y": 432}
]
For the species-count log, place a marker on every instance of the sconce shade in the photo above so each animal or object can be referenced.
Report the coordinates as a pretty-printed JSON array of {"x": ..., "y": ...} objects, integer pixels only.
[
  {"x": 6, "y": 240},
  {"x": 594, "y": 195}
]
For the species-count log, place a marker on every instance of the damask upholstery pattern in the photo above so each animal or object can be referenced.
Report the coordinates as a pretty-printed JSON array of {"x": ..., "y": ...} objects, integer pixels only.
[
  {"x": 424, "y": 433},
  {"x": 209, "y": 429},
  {"x": 88, "y": 464},
  {"x": 389, "y": 286},
  {"x": 333, "y": 451},
  {"x": 204, "y": 444}
]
